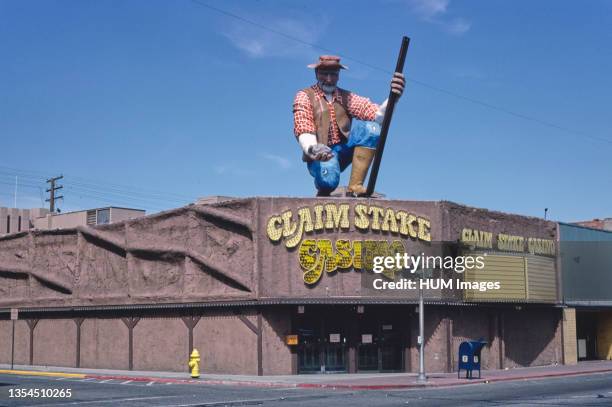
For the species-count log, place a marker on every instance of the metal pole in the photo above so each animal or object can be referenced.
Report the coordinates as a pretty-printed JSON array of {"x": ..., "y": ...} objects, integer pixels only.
[
  {"x": 13, "y": 347},
  {"x": 399, "y": 67},
  {"x": 421, "y": 378}
]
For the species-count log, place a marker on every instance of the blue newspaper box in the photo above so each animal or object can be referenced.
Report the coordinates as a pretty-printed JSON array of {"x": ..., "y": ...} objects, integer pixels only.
[{"x": 469, "y": 357}]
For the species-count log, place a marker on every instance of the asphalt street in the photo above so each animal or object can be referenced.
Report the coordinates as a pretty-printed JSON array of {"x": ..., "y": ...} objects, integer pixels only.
[{"x": 591, "y": 390}]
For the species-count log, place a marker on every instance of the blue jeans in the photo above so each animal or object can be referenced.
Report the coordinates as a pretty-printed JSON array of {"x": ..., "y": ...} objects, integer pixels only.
[{"x": 327, "y": 173}]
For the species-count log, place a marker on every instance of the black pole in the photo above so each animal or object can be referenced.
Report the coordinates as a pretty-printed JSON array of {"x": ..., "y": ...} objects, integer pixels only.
[{"x": 387, "y": 120}]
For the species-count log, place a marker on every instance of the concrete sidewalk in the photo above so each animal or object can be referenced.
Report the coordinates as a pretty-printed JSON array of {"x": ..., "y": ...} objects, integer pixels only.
[{"x": 357, "y": 381}]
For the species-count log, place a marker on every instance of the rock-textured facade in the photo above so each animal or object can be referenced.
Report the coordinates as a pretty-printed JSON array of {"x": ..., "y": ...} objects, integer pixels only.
[{"x": 279, "y": 286}]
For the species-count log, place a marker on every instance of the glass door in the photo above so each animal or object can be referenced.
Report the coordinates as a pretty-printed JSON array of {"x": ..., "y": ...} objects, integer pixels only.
[
  {"x": 322, "y": 346},
  {"x": 379, "y": 346},
  {"x": 335, "y": 357},
  {"x": 390, "y": 351}
]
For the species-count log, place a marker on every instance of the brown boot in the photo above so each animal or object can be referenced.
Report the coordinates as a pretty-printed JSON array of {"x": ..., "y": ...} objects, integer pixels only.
[{"x": 362, "y": 158}]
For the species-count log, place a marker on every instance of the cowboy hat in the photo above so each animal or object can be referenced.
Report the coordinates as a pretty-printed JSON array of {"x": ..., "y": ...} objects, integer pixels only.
[{"x": 328, "y": 62}]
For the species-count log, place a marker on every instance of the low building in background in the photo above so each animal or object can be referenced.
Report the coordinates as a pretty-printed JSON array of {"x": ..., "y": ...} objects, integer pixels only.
[
  {"x": 14, "y": 220},
  {"x": 585, "y": 260},
  {"x": 602, "y": 224},
  {"x": 213, "y": 199},
  {"x": 91, "y": 217}
]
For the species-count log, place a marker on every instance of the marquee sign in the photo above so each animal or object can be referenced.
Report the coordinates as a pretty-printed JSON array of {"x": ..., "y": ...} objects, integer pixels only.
[
  {"x": 510, "y": 243},
  {"x": 318, "y": 255}
]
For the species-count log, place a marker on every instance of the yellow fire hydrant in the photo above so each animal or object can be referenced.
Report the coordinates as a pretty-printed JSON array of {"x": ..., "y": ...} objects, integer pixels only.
[{"x": 194, "y": 363}]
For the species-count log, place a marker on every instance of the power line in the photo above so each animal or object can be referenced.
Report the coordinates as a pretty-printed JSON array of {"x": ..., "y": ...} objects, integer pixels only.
[
  {"x": 415, "y": 81},
  {"x": 115, "y": 197},
  {"x": 113, "y": 189},
  {"x": 152, "y": 196},
  {"x": 20, "y": 185},
  {"x": 122, "y": 195},
  {"x": 39, "y": 176}
]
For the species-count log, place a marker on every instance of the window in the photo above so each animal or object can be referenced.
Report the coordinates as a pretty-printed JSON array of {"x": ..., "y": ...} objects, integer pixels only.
[
  {"x": 103, "y": 216},
  {"x": 91, "y": 217},
  {"x": 19, "y": 224},
  {"x": 8, "y": 224}
]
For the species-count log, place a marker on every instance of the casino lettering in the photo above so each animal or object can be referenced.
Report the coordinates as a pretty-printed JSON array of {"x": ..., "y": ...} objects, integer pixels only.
[{"x": 318, "y": 255}]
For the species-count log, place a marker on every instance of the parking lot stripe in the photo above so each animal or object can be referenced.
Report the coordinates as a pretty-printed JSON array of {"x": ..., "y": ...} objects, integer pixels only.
[
  {"x": 111, "y": 401},
  {"x": 35, "y": 373}
]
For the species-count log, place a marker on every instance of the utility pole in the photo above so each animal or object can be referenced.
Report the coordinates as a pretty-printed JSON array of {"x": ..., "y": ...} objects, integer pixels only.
[{"x": 51, "y": 191}]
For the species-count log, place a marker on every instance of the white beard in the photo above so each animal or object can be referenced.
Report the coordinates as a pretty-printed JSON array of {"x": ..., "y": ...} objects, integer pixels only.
[{"x": 327, "y": 88}]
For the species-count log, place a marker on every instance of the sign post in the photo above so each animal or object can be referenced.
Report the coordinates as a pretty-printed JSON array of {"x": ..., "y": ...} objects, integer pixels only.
[
  {"x": 14, "y": 317},
  {"x": 421, "y": 377}
]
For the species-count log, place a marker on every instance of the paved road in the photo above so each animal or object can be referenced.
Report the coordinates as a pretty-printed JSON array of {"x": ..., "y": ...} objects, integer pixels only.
[{"x": 592, "y": 390}]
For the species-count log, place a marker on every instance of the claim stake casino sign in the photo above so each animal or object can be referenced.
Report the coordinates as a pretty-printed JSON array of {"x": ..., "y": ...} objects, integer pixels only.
[{"x": 294, "y": 229}]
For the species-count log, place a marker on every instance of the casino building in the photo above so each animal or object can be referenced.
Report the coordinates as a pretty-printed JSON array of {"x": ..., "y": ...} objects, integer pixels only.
[{"x": 284, "y": 286}]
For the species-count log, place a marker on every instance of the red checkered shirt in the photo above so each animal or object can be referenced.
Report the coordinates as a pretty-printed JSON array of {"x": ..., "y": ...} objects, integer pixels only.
[{"x": 358, "y": 107}]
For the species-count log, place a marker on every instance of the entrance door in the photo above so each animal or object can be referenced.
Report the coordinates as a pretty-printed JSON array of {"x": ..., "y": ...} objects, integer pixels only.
[
  {"x": 379, "y": 347},
  {"x": 309, "y": 354},
  {"x": 390, "y": 351},
  {"x": 335, "y": 358},
  {"x": 586, "y": 335},
  {"x": 322, "y": 344},
  {"x": 367, "y": 347},
  {"x": 367, "y": 357}
]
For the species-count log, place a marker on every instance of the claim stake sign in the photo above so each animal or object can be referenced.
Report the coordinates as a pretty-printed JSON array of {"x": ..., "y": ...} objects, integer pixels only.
[
  {"x": 509, "y": 243},
  {"x": 318, "y": 255}
]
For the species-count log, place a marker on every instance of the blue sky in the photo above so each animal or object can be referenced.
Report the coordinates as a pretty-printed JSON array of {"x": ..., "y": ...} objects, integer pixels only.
[{"x": 151, "y": 104}]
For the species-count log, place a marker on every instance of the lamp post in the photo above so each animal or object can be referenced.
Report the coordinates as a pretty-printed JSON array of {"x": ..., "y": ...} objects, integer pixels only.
[{"x": 421, "y": 378}]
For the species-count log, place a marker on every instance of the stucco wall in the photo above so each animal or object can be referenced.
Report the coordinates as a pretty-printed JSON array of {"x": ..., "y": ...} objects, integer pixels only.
[
  {"x": 207, "y": 252},
  {"x": 474, "y": 324},
  {"x": 104, "y": 344},
  {"x": 188, "y": 254},
  {"x": 161, "y": 344},
  {"x": 103, "y": 271},
  {"x": 532, "y": 337},
  {"x": 226, "y": 344},
  {"x": 276, "y": 354},
  {"x": 55, "y": 342},
  {"x": 5, "y": 341},
  {"x": 436, "y": 339},
  {"x": 22, "y": 343}
]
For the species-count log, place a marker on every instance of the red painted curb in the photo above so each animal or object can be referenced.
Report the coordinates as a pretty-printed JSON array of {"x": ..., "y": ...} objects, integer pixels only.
[{"x": 342, "y": 386}]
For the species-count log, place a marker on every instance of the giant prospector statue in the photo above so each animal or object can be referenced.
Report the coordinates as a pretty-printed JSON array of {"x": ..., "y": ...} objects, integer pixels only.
[{"x": 330, "y": 139}]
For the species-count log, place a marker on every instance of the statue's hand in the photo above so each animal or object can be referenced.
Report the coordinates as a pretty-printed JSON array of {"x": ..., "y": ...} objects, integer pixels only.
[
  {"x": 320, "y": 152},
  {"x": 397, "y": 84}
]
